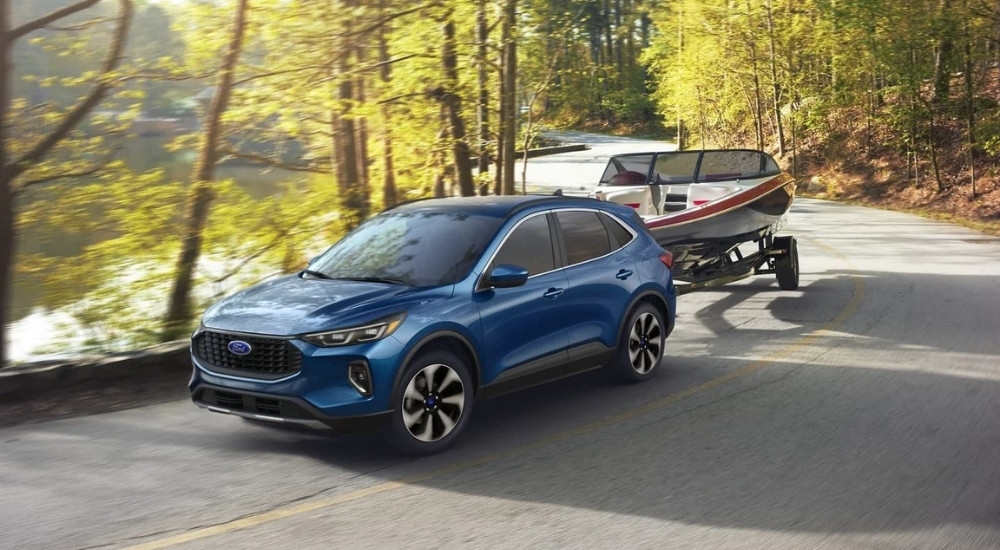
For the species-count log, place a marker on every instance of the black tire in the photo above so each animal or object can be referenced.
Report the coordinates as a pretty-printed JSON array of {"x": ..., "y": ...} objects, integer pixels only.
[
  {"x": 641, "y": 346},
  {"x": 786, "y": 266},
  {"x": 432, "y": 403}
]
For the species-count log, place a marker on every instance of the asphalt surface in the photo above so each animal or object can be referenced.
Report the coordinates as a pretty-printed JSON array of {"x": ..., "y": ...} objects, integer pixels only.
[{"x": 860, "y": 411}]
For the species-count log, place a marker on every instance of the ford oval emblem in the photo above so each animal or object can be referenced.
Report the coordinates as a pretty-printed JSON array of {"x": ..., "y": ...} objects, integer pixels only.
[{"x": 239, "y": 347}]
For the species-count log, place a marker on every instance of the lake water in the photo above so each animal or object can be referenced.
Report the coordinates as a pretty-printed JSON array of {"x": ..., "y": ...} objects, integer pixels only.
[{"x": 29, "y": 315}]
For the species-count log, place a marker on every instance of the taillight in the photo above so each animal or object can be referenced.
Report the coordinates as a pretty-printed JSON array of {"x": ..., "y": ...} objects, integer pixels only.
[
  {"x": 633, "y": 205},
  {"x": 699, "y": 202},
  {"x": 668, "y": 259}
]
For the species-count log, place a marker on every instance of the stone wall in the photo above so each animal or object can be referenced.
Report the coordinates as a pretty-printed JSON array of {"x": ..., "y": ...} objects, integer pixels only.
[{"x": 34, "y": 379}]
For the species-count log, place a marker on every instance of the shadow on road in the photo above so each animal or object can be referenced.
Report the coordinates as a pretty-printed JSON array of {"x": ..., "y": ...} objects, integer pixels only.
[{"x": 860, "y": 429}]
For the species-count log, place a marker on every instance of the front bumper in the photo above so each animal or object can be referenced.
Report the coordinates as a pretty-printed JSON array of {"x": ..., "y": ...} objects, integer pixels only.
[
  {"x": 280, "y": 409},
  {"x": 319, "y": 392}
]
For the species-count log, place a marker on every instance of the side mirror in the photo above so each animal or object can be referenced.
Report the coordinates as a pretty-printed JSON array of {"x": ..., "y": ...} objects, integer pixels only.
[{"x": 507, "y": 276}]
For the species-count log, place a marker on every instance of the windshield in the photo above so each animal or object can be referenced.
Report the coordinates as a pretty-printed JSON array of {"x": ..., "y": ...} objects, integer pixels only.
[
  {"x": 627, "y": 170},
  {"x": 415, "y": 248},
  {"x": 736, "y": 164}
]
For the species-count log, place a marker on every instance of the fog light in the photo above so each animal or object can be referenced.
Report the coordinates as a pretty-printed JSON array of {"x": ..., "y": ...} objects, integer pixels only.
[{"x": 360, "y": 377}]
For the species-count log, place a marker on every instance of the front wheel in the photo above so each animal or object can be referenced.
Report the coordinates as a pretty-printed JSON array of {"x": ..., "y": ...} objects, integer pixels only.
[
  {"x": 432, "y": 404},
  {"x": 640, "y": 349}
]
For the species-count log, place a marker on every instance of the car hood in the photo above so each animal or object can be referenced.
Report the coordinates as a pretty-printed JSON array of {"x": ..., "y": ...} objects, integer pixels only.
[{"x": 292, "y": 305}]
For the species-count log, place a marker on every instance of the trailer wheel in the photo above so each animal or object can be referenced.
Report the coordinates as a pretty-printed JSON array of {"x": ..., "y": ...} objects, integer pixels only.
[{"x": 786, "y": 266}]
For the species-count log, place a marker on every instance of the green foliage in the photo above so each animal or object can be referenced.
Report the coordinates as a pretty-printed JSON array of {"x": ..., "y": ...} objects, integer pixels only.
[
  {"x": 711, "y": 62},
  {"x": 103, "y": 245}
]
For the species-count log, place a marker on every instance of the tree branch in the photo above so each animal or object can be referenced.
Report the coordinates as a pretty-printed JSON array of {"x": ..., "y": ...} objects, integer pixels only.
[
  {"x": 75, "y": 116},
  {"x": 388, "y": 19},
  {"x": 268, "y": 161},
  {"x": 86, "y": 25},
  {"x": 259, "y": 76},
  {"x": 41, "y": 22},
  {"x": 97, "y": 167}
]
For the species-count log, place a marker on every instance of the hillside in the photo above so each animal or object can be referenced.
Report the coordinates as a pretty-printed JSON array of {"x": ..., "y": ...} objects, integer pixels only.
[{"x": 854, "y": 165}]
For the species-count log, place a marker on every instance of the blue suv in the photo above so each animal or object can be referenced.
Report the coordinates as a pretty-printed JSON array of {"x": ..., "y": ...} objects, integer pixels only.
[{"x": 423, "y": 309}]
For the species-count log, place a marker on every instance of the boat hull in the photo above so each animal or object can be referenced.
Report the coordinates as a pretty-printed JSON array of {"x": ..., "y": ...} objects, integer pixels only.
[{"x": 701, "y": 236}]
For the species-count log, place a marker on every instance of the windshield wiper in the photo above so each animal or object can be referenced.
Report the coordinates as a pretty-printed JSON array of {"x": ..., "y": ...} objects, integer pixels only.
[
  {"x": 317, "y": 274},
  {"x": 375, "y": 280}
]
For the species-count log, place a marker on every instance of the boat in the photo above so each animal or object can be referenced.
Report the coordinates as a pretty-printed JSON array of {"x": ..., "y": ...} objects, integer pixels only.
[{"x": 717, "y": 211}]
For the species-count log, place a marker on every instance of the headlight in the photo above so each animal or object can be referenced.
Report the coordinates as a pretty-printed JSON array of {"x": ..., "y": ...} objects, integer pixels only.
[{"x": 356, "y": 335}]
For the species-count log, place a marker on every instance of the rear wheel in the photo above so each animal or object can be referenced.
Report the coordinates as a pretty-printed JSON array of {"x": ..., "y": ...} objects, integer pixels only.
[
  {"x": 433, "y": 403},
  {"x": 640, "y": 348},
  {"x": 786, "y": 266}
]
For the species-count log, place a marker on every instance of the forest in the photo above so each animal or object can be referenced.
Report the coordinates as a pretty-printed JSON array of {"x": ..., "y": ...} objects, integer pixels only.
[{"x": 129, "y": 125}]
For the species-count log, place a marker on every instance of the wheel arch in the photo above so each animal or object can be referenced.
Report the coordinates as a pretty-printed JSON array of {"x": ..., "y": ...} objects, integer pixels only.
[
  {"x": 651, "y": 297},
  {"x": 448, "y": 340}
]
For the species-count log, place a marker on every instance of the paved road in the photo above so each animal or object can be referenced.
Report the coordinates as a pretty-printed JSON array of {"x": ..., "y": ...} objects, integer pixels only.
[{"x": 860, "y": 411}]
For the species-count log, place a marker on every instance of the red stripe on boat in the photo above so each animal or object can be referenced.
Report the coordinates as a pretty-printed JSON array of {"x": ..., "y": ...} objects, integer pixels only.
[{"x": 721, "y": 205}]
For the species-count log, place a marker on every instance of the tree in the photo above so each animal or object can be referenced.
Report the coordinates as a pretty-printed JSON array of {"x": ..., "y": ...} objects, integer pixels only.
[
  {"x": 508, "y": 99},
  {"x": 18, "y": 160},
  {"x": 202, "y": 179}
]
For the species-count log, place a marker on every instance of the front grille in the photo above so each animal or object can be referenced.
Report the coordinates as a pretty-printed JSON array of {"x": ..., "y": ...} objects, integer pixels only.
[
  {"x": 250, "y": 403},
  {"x": 269, "y": 358}
]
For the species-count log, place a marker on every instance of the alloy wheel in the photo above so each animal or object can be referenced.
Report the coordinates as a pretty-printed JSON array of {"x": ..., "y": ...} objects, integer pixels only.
[
  {"x": 433, "y": 402},
  {"x": 645, "y": 343}
]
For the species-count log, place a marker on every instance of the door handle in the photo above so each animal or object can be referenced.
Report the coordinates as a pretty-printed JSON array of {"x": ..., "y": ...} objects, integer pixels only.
[
  {"x": 553, "y": 293},
  {"x": 624, "y": 274}
]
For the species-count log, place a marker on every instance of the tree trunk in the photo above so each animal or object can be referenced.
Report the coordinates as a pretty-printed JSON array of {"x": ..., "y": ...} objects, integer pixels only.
[
  {"x": 932, "y": 139},
  {"x": 452, "y": 104},
  {"x": 385, "y": 74},
  {"x": 970, "y": 108},
  {"x": 344, "y": 145},
  {"x": 681, "y": 144},
  {"x": 509, "y": 100},
  {"x": 758, "y": 104},
  {"x": 482, "y": 37},
  {"x": 7, "y": 194},
  {"x": 363, "y": 190},
  {"x": 440, "y": 163},
  {"x": 775, "y": 85},
  {"x": 619, "y": 44},
  {"x": 942, "y": 57},
  {"x": 203, "y": 176}
]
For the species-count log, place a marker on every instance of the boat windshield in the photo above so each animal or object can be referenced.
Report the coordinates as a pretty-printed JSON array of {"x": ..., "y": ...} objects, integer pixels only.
[
  {"x": 627, "y": 169},
  {"x": 682, "y": 167},
  {"x": 736, "y": 164}
]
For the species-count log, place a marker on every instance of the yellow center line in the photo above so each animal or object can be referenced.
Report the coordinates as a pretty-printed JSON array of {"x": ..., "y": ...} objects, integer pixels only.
[{"x": 311, "y": 506}]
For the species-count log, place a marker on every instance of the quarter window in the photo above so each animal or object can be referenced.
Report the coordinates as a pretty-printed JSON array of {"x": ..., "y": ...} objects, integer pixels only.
[
  {"x": 584, "y": 236},
  {"x": 619, "y": 235},
  {"x": 529, "y": 245}
]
